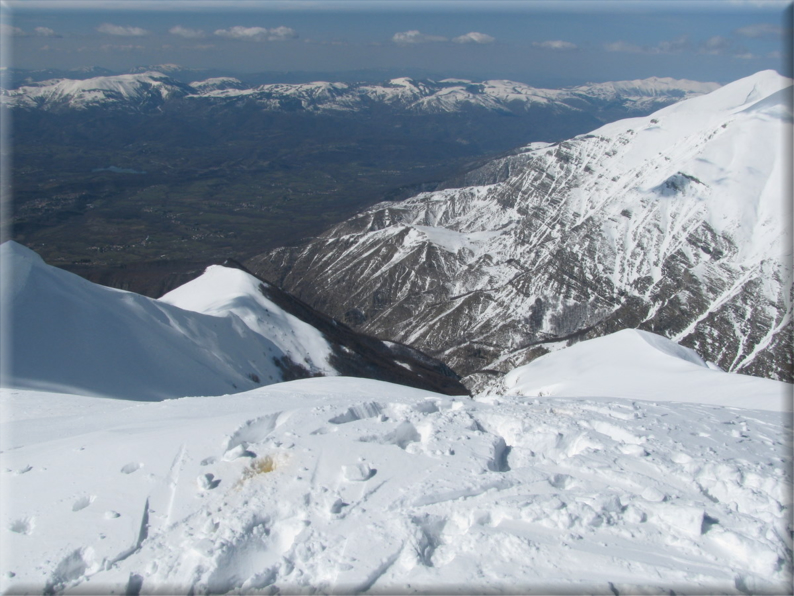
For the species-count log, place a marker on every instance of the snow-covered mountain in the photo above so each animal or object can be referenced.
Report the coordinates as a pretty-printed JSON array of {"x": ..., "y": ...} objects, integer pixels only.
[
  {"x": 217, "y": 84},
  {"x": 130, "y": 91},
  {"x": 222, "y": 333},
  {"x": 341, "y": 485},
  {"x": 137, "y": 90},
  {"x": 675, "y": 223}
]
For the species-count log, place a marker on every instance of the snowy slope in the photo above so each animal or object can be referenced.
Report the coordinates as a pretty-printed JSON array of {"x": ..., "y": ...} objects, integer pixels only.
[
  {"x": 69, "y": 335},
  {"x": 674, "y": 222},
  {"x": 339, "y": 485},
  {"x": 232, "y": 293},
  {"x": 224, "y": 332},
  {"x": 632, "y": 363}
]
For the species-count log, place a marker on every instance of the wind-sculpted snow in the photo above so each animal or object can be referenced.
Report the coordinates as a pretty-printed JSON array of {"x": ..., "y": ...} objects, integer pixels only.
[
  {"x": 631, "y": 363},
  {"x": 676, "y": 223},
  {"x": 341, "y": 485}
]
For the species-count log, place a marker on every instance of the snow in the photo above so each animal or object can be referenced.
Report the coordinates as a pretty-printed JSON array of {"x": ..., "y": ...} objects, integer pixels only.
[
  {"x": 69, "y": 335},
  {"x": 628, "y": 465},
  {"x": 448, "y": 95},
  {"x": 702, "y": 182},
  {"x": 347, "y": 485},
  {"x": 80, "y": 94},
  {"x": 623, "y": 464},
  {"x": 228, "y": 292},
  {"x": 636, "y": 364}
]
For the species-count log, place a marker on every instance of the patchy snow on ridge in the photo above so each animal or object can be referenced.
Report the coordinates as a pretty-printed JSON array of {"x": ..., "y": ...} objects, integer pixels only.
[
  {"x": 340, "y": 485},
  {"x": 640, "y": 365}
]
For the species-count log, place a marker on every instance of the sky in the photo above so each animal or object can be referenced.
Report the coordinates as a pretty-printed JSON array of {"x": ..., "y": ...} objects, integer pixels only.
[{"x": 553, "y": 42}]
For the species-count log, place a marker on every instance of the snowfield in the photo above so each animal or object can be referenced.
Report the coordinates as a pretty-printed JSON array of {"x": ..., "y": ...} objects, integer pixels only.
[
  {"x": 70, "y": 335},
  {"x": 349, "y": 485}
]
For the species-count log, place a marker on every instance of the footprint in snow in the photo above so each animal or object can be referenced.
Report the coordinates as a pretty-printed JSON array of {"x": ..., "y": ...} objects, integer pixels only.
[
  {"x": 23, "y": 525},
  {"x": 207, "y": 481},
  {"x": 131, "y": 467},
  {"x": 83, "y": 502}
]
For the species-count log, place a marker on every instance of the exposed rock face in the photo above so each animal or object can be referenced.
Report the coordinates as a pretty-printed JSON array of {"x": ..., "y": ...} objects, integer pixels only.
[
  {"x": 675, "y": 223},
  {"x": 354, "y": 354}
]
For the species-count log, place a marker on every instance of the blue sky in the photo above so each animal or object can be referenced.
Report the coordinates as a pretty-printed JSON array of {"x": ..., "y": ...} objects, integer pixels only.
[{"x": 539, "y": 42}]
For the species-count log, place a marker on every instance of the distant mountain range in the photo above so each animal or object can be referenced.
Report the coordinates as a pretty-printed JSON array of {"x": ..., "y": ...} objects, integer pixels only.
[
  {"x": 149, "y": 90},
  {"x": 673, "y": 223}
]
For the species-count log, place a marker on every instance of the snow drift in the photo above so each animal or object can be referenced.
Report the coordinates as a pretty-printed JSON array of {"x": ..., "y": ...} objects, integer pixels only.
[
  {"x": 636, "y": 364},
  {"x": 339, "y": 485}
]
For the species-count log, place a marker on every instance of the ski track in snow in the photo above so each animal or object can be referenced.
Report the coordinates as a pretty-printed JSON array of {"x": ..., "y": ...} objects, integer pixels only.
[{"x": 348, "y": 485}]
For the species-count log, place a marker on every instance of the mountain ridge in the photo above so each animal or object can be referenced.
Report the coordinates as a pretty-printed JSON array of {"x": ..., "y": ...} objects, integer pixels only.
[
  {"x": 140, "y": 91},
  {"x": 222, "y": 333},
  {"x": 673, "y": 222}
]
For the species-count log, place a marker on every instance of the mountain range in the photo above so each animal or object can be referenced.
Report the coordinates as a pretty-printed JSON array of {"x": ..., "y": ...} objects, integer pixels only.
[
  {"x": 674, "y": 222},
  {"x": 150, "y": 90},
  {"x": 597, "y": 456}
]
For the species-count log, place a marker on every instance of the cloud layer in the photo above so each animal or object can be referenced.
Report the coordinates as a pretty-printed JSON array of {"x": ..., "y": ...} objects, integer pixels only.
[
  {"x": 109, "y": 29},
  {"x": 258, "y": 33},
  {"x": 474, "y": 37},
  {"x": 557, "y": 44},
  {"x": 186, "y": 32},
  {"x": 414, "y": 36}
]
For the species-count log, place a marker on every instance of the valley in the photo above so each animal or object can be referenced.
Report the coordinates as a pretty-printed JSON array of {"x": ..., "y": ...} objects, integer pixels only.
[{"x": 142, "y": 186}]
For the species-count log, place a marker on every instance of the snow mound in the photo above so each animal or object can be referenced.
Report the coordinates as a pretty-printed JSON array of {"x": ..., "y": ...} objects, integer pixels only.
[
  {"x": 637, "y": 364},
  {"x": 66, "y": 334},
  {"x": 340, "y": 485},
  {"x": 229, "y": 292}
]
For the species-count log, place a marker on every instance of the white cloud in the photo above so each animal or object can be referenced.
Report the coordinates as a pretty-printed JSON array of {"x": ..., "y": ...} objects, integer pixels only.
[
  {"x": 121, "y": 48},
  {"x": 679, "y": 44},
  {"x": 258, "y": 33},
  {"x": 10, "y": 31},
  {"x": 760, "y": 30},
  {"x": 674, "y": 46},
  {"x": 186, "y": 32},
  {"x": 45, "y": 32},
  {"x": 414, "y": 36},
  {"x": 109, "y": 29},
  {"x": 622, "y": 46},
  {"x": 716, "y": 46},
  {"x": 556, "y": 44},
  {"x": 474, "y": 37}
]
